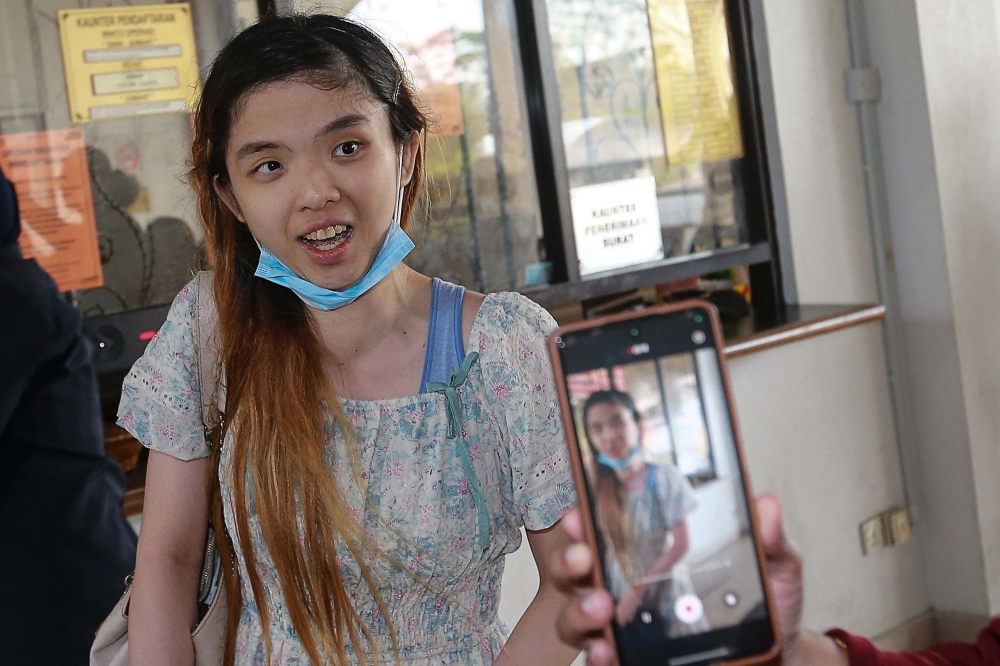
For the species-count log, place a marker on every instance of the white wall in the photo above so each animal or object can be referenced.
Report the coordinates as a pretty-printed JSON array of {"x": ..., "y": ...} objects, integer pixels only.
[
  {"x": 818, "y": 433},
  {"x": 821, "y": 152},
  {"x": 940, "y": 125},
  {"x": 949, "y": 516},
  {"x": 961, "y": 58},
  {"x": 816, "y": 414}
]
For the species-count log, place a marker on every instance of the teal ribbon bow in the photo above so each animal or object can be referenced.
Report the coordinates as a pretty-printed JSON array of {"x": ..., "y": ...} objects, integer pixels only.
[{"x": 453, "y": 404}]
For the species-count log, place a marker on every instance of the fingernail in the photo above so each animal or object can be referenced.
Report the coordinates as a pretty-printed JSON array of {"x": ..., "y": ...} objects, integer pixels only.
[
  {"x": 578, "y": 556},
  {"x": 593, "y": 604},
  {"x": 601, "y": 653}
]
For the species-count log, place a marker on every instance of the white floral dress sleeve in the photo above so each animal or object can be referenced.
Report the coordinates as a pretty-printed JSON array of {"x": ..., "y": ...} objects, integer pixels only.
[
  {"x": 161, "y": 396},
  {"x": 522, "y": 397},
  {"x": 675, "y": 494}
]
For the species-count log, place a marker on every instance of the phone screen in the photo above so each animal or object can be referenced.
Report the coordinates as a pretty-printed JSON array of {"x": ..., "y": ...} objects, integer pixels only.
[{"x": 666, "y": 491}]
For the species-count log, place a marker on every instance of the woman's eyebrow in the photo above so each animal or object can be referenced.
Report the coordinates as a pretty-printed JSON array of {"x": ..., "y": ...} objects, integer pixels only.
[
  {"x": 252, "y": 148},
  {"x": 342, "y": 123}
]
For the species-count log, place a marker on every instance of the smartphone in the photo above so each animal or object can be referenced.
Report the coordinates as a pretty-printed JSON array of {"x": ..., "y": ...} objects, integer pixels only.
[{"x": 663, "y": 487}]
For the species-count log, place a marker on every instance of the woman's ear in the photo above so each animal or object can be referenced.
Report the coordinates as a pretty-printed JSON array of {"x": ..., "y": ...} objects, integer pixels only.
[
  {"x": 225, "y": 192},
  {"x": 411, "y": 146}
]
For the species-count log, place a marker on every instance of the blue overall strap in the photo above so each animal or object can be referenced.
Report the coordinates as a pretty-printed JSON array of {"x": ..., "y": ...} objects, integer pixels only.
[
  {"x": 453, "y": 403},
  {"x": 445, "y": 348}
]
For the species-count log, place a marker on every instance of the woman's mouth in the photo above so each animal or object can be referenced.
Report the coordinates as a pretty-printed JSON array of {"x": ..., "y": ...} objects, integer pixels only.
[{"x": 328, "y": 238}]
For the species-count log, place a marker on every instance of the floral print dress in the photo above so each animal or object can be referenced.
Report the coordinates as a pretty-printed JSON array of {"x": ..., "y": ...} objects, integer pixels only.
[
  {"x": 422, "y": 512},
  {"x": 653, "y": 510}
]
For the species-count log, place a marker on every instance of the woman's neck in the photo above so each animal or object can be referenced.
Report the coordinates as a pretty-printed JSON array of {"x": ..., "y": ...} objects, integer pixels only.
[
  {"x": 362, "y": 324},
  {"x": 633, "y": 476}
]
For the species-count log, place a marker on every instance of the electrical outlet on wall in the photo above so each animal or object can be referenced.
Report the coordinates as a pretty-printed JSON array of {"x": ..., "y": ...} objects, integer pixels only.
[
  {"x": 873, "y": 535},
  {"x": 897, "y": 526}
]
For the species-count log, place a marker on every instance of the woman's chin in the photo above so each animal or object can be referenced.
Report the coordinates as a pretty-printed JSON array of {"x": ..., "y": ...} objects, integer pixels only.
[{"x": 336, "y": 277}]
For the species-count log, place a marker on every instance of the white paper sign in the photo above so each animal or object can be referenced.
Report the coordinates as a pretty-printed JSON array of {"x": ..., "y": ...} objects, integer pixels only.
[{"x": 616, "y": 224}]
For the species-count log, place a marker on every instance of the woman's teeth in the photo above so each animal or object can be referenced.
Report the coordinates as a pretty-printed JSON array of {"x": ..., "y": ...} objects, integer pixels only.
[
  {"x": 327, "y": 232},
  {"x": 328, "y": 237}
]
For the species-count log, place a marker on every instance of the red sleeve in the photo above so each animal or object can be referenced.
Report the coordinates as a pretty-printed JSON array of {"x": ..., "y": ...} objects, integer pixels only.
[{"x": 984, "y": 652}]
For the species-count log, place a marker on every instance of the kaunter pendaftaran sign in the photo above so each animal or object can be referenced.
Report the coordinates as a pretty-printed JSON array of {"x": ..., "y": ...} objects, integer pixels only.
[{"x": 129, "y": 61}]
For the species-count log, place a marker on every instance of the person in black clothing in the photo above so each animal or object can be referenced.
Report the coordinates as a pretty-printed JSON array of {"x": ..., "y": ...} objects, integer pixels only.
[{"x": 65, "y": 547}]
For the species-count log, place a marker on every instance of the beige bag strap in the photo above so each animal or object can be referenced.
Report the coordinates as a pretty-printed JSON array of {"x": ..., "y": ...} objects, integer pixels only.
[{"x": 205, "y": 321}]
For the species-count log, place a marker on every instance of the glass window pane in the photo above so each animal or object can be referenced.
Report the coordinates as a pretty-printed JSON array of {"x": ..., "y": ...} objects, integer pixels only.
[
  {"x": 647, "y": 89},
  {"x": 686, "y": 415},
  {"x": 640, "y": 381},
  {"x": 482, "y": 228},
  {"x": 146, "y": 218}
]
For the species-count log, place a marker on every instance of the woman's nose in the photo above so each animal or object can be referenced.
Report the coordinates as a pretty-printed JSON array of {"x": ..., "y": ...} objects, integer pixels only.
[{"x": 318, "y": 192}]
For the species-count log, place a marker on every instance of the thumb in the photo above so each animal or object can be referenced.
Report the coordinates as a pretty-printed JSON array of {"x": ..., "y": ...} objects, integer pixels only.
[{"x": 771, "y": 527}]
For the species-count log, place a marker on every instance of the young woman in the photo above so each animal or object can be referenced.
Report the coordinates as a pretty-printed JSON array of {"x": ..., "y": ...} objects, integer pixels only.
[
  {"x": 642, "y": 511},
  {"x": 384, "y": 436}
]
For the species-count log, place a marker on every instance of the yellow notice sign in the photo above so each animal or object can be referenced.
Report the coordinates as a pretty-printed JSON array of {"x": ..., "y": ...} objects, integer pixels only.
[
  {"x": 129, "y": 61},
  {"x": 694, "y": 75}
]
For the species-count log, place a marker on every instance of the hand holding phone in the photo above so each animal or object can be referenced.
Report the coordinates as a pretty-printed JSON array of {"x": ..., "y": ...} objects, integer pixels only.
[
  {"x": 662, "y": 487},
  {"x": 589, "y": 611}
]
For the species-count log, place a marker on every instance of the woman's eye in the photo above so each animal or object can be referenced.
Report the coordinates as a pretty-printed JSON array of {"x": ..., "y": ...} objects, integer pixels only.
[
  {"x": 268, "y": 167},
  {"x": 347, "y": 149}
]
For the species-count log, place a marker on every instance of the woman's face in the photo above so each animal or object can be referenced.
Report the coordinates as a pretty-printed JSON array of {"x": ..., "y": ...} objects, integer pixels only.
[
  {"x": 612, "y": 429},
  {"x": 313, "y": 174}
]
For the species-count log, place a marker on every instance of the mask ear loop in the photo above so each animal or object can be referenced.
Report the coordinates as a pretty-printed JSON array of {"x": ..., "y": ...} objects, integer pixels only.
[{"x": 398, "y": 211}]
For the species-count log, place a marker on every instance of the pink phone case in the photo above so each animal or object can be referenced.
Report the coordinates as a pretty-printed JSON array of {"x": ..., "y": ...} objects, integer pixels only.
[{"x": 577, "y": 461}]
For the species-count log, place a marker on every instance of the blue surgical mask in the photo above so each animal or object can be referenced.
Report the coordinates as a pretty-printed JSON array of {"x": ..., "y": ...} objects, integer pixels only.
[
  {"x": 396, "y": 246},
  {"x": 614, "y": 463}
]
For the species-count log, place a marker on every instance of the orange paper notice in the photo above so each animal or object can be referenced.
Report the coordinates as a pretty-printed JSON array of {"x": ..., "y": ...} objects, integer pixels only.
[{"x": 58, "y": 229}]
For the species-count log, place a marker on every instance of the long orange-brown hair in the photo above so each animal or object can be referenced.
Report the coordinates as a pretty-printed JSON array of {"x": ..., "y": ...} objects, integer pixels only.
[{"x": 278, "y": 398}]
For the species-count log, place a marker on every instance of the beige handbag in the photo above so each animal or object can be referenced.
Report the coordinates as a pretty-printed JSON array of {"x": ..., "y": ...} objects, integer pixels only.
[{"x": 209, "y": 636}]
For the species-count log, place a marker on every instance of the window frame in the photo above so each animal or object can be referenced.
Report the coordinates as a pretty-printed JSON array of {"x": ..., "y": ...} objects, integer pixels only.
[{"x": 767, "y": 236}]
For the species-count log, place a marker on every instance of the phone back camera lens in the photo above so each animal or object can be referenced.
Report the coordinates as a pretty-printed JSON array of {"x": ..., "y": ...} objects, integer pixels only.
[
  {"x": 560, "y": 343},
  {"x": 634, "y": 332},
  {"x": 699, "y": 337}
]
